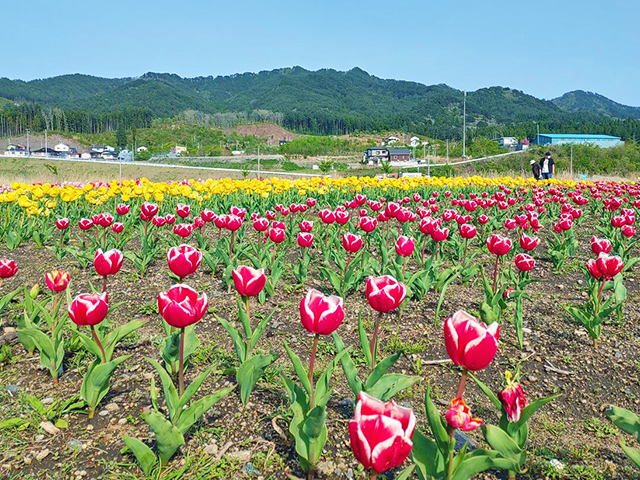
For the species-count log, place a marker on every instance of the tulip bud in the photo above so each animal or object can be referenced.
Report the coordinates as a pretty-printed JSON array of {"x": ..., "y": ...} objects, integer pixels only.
[
  {"x": 89, "y": 309},
  {"x": 470, "y": 344},
  {"x": 249, "y": 282},
  {"x": 512, "y": 398},
  {"x": 183, "y": 260},
  {"x": 459, "y": 416},
  {"x": 381, "y": 433},
  {"x": 321, "y": 314},
  {"x": 385, "y": 293},
  {"x": 180, "y": 306}
]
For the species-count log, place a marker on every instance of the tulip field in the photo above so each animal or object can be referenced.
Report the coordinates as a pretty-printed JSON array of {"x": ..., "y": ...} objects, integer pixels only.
[{"x": 354, "y": 328}]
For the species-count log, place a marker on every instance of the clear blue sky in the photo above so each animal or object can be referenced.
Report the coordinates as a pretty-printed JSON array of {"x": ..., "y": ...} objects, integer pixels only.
[{"x": 543, "y": 47}]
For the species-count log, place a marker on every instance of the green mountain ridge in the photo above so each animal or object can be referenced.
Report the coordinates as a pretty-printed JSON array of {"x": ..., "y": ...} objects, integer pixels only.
[{"x": 327, "y": 101}]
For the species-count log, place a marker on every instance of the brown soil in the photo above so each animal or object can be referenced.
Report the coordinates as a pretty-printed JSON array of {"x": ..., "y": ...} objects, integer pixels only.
[{"x": 558, "y": 358}]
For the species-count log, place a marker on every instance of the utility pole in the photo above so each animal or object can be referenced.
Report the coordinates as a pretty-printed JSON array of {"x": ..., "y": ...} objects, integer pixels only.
[
  {"x": 46, "y": 144},
  {"x": 258, "y": 163},
  {"x": 571, "y": 162},
  {"x": 464, "y": 126},
  {"x": 447, "y": 150},
  {"x": 28, "y": 144},
  {"x": 538, "y": 134}
]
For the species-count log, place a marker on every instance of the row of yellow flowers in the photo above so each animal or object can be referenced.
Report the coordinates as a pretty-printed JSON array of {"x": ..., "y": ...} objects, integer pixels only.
[{"x": 34, "y": 198}]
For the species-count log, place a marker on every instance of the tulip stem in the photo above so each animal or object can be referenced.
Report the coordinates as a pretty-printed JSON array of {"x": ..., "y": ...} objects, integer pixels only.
[
  {"x": 373, "y": 475},
  {"x": 231, "y": 247},
  {"x": 312, "y": 362},
  {"x": 404, "y": 266},
  {"x": 495, "y": 274},
  {"x": 374, "y": 341},
  {"x": 104, "y": 284},
  {"x": 451, "y": 451},
  {"x": 95, "y": 337},
  {"x": 463, "y": 381},
  {"x": 181, "y": 363}
]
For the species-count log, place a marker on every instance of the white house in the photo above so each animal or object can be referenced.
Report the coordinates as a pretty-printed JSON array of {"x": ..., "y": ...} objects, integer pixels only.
[
  {"x": 141, "y": 149},
  {"x": 62, "y": 148},
  {"x": 86, "y": 156},
  {"x": 414, "y": 141},
  {"x": 391, "y": 140},
  {"x": 178, "y": 149},
  {"x": 506, "y": 142}
]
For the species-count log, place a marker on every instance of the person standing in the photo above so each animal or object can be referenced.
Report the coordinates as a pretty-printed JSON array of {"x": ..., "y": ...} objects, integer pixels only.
[
  {"x": 535, "y": 169},
  {"x": 547, "y": 166}
]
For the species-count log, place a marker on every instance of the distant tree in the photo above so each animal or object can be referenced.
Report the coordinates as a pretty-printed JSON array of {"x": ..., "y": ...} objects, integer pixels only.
[
  {"x": 121, "y": 136},
  {"x": 385, "y": 167}
]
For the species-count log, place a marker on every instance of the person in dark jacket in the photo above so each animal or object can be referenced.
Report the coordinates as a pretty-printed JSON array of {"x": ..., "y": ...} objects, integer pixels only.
[
  {"x": 535, "y": 169},
  {"x": 548, "y": 166}
]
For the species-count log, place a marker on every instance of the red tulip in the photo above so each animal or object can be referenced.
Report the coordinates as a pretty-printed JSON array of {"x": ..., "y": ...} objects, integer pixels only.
[
  {"x": 199, "y": 222},
  {"x": 248, "y": 281},
  {"x": 528, "y": 243},
  {"x": 368, "y": 224},
  {"x": 170, "y": 219},
  {"x": 512, "y": 398},
  {"x": 158, "y": 221},
  {"x": 260, "y": 224},
  {"x": 459, "y": 416},
  {"x": 180, "y": 306},
  {"x": 599, "y": 245},
  {"x": 483, "y": 219},
  {"x": 321, "y": 314},
  {"x": 108, "y": 263},
  {"x": 351, "y": 242},
  {"x": 628, "y": 231},
  {"x": 89, "y": 309},
  {"x": 467, "y": 230},
  {"x": 184, "y": 260},
  {"x": 183, "y": 210},
  {"x": 149, "y": 210},
  {"x": 381, "y": 433},
  {"x": 122, "y": 209},
  {"x": 405, "y": 246},
  {"x": 327, "y": 216},
  {"x": 8, "y": 268},
  {"x": 428, "y": 225},
  {"x": 342, "y": 217},
  {"x": 618, "y": 221},
  {"x": 524, "y": 262},
  {"x": 609, "y": 265},
  {"x": 62, "y": 223},
  {"x": 276, "y": 235},
  {"x": 385, "y": 293},
  {"x": 183, "y": 229},
  {"x": 470, "y": 344},
  {"x": 233, "y": 222},
  {"x": 207, "y": 215},
  {"x": 311, "y": 202},
  {"x": 306, "y": 226},
  {"x": 305, "y": 240},
  {"x": 85, "y": 224},
  {"x": 593, "y": 269},
  {"x": 105, "y": 220},
  {"x": 499, "y": 245},
  {"x": 238, "y": 212},
  {"x": 117, "y": 227},
  {"x": 57, "y": 280},
  {"x": 439, "y": 234}
]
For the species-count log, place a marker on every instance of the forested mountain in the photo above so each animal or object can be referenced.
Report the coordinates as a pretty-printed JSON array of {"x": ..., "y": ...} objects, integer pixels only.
[
  {"x": 581, "y": 101},
  {"x": 324, "y": 101}
]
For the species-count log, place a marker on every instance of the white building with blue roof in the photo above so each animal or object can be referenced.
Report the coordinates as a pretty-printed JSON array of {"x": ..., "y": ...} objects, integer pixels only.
[{"x": 603, "y": 141}]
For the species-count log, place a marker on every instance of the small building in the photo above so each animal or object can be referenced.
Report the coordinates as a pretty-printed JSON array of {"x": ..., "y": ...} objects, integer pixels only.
[
  {"x": 178, "y": 149},
  {"x": 375, "y": 155},
  {"x": 108, "y": 155},
  {"x": 98, "y": 148},
  {"x": 506, "y": 142},
  {"x": 523, "y": 145},
  {"x": 604, "y": 141},
  {"x": 45, "y": 152},
  {"x": 87, "y": 156},
  {"x": 141, "y": 148},
  {"x": 62, "y": 148},
  {"x": 399, "y": 155},
  {"x": 125, "y": 156},
  {"x": 16, "y": 150},
  {"x": 391, "y": 140}
]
